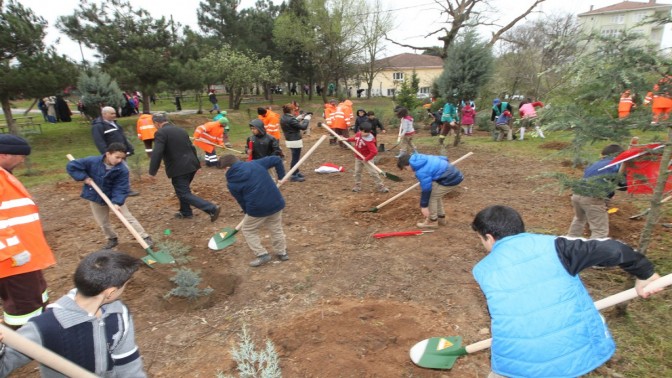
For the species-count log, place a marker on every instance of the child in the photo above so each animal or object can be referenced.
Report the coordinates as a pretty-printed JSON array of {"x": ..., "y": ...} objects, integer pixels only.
[
  {"x": 89, "y": 326},
  {"x": 406, "y": 132},
  {"x": 593, "y": 193},
  {"x": 221, "y": 117},
  {"x": 375, "y": 124},
  {"x": 211, "y": 133},
  {"x": 528, "y": 115},
  {"x": 467, "y": 120},
  {"x": 260, "y": 144},
  {"x": 365, "y": 144},
  {"x": 361, "y": 118},
  {"x": 449, "y": 122},
  {"x": 502, "y": 125},
  {"x": 111, "y": 177},
  {"x": 437, "y": 178},
  {"x": 543, "y": 321},
  {"x": 261, "y": 201}
]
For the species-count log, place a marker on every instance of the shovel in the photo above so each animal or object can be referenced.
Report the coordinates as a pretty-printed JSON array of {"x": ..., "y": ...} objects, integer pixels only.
[
  {"x": 226, "y": 236},
  {"x": 217, "y": 145},
  {"x": 386, "y": 174},
  {"x": 643, "y": 213},
  {"x": 376, "y": 208},
  {"x": 42, "y": 354},
  {"x": 401, "y": 233},
  {"x": 152, "y": 257},
  {"x": 441, "y": 352}
]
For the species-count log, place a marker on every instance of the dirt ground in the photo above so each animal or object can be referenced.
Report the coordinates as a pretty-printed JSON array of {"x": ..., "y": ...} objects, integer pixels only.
[{"x": 345, "y": 304}]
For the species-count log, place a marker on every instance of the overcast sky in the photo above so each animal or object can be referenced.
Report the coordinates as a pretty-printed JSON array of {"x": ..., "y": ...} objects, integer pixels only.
[{"x": 413, "y": 19}]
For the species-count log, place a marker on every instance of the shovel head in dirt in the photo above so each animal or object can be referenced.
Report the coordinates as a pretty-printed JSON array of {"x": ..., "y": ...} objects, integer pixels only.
[{"x": 223, "y": 238}]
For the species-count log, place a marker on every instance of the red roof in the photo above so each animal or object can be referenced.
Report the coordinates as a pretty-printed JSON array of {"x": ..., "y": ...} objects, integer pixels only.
[
  {"x": 626, "y": 6},
  {"x": 408, "y": 60}
]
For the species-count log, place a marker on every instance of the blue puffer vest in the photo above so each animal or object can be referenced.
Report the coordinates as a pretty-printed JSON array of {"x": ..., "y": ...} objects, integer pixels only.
[{"x": 543, "y": 321}]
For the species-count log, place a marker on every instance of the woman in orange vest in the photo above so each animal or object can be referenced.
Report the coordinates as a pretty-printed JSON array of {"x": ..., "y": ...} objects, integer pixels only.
[
  {"x": 24, "y": 251},
  {"x": 625, "y": 105},
  {"x": 271, "y": 122},
  {"x": 146, "y": 131},
  {"x": 207, "y": 136}
]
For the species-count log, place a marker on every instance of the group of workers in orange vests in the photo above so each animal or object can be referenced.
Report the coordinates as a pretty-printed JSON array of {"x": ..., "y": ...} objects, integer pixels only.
[{"x": 660, "y": 100}]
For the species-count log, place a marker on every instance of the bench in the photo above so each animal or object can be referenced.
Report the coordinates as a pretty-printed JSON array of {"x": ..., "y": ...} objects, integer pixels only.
[{"x": 25, "y": 125}]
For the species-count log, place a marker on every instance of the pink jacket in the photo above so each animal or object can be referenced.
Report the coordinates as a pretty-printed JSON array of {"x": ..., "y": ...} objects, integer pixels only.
[{"x": 468, "y": 115}]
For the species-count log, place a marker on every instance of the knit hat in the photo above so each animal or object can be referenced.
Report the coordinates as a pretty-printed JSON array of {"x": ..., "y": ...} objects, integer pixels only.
[
  {"x": 261, "y": 111},
  {"x": 13, "y": 145}
]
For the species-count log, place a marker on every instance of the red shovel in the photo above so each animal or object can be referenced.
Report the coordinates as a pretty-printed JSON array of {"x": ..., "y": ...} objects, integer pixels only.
[{"x": 401, "y": 233}]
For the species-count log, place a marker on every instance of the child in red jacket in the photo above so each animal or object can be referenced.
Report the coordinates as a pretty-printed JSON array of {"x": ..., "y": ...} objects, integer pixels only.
[{"x": 365, "y": 144}]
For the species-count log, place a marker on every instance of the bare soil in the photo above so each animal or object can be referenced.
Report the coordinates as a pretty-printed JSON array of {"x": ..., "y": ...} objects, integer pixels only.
[{"x": 345, "y": 304}]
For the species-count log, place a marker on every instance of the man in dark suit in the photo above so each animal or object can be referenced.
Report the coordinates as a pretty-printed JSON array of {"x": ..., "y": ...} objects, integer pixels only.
[{"x": 172, "y": 144}]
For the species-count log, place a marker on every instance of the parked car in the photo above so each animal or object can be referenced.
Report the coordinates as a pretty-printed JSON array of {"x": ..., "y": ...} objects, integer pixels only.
[{"x": 422, "y": 96}]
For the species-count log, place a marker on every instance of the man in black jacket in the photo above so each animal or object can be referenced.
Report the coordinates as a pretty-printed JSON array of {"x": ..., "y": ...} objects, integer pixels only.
[
  {"x": 106, "y": 131},
  {"x": 172, "y": 144}
]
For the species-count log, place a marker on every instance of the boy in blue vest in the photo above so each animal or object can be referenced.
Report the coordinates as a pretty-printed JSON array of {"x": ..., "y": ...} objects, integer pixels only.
[
  {"x": 88, "y": 317},
  {"x": 543, "y": 321}
]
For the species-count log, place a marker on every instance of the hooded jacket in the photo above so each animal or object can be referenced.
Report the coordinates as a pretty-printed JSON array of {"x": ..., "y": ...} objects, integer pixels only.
[
  {"x": 360, "y": 119},
  {"x": 430, "y": 168},
  {"x": 253, "y": 188},
  {"x": 113, "y": 182},
  {"x": 365, "y": 146},
  {"x": 261, "y": 145},
  {"x": 105, "y": 346}
]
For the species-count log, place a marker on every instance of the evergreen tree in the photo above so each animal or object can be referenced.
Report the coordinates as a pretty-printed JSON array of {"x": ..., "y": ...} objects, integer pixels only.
[{"x": 97, "y": 89}]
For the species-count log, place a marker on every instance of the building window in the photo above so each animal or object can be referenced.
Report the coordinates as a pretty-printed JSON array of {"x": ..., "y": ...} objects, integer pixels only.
[
  {"x": 424, "y": 90},
  {"x": 390, "y": 92},
  {"x": 640, "y": 16},
  {"x": 611, "y": 32},
  {"x": 398, "y": 76},
  {"x": 618, "y": 19}
]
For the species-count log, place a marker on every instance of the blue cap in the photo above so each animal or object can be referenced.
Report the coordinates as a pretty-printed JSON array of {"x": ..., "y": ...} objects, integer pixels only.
[{"x": 496, "y": 101}]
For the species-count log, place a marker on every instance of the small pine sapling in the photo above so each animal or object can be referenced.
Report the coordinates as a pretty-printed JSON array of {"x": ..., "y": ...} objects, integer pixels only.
[{"x": 187, "y": 282}]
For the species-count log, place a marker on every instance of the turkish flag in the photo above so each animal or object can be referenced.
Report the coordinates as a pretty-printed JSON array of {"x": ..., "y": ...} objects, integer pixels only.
[{"x": 642, "y": 164}]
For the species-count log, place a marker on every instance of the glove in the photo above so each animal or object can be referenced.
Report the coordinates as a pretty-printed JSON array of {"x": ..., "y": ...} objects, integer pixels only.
[
  {"x": 307, "y": 117},
  {"x": 300, "y": 117},
  {"x": 21, "y": 259}
]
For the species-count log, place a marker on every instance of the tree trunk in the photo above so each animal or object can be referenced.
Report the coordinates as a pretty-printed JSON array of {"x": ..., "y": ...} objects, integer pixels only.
[
  {"x": 199, "y": 100},
  {"x": 7, "y": 109},
  {"x": 232, "y": 104},
  {"x": 238, "y": 98},
  {"x": 31, "y": 105},
  {"x": 145, "y": 103}
]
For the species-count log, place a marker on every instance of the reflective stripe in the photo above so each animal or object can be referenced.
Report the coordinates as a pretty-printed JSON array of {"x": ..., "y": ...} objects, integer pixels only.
[
  {"x": 19, "y": 220},
  {"x": 120, "y": 356},
  {"x": 19, "y": 320},
  {"x": 45, "y": 296},
  {"x": 14, "y": 240},
  {"x": 148, "y": 150},
  {"x": 146, "y": 127},
  {"x": 16, "y": 203}
]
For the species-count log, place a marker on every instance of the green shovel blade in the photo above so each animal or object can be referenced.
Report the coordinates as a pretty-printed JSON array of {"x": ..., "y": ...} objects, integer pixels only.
[
  {"x": 223, "y": 239},
  {"x": 392, "y": 177},
  {"x": 437, "y": 352},
  {"x": 157, "y": 257}
]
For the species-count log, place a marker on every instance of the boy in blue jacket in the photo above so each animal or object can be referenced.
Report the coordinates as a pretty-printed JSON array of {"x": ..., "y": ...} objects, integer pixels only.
[
  {"x": 543, "y": 320},
  {"x": 111, "y": 176},
  {"x": 261, "y": 201},
  {"x": 437, "y": 177}
]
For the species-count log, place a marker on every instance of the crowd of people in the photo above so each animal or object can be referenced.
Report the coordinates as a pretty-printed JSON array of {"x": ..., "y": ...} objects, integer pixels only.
[{"x": 531, "y": 282}]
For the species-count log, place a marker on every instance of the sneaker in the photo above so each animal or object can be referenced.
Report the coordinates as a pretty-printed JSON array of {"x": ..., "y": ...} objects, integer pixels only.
[
  {"x": 133, "y": 193},
  {"x": 149, "y": 241},
  {"x": 356, "y": 188},
  {"x": 215, "y": 214},
  {"x": 227, "y": 144},
  {"x": 428, "y": 223},
  {"x": 179, "y": 215},
  {"x": 442, "y": 220},
  {"x": 111, "y": 243},
  {"x": 282, "y": 256},
  {"x": 296, "y": 178},
  {"x": 383, "y": 189},
  {"x": 260, "y": 260},
  {"x": 300, "y": 174}
]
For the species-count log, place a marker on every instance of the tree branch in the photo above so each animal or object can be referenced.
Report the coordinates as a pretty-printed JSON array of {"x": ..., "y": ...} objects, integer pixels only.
[{"x": 498, "y": 34}]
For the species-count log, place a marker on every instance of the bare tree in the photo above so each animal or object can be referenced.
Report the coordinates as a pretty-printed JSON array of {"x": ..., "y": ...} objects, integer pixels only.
[
  {"x": 467, "y": 13},
  {"x": 377, "y": 24}
]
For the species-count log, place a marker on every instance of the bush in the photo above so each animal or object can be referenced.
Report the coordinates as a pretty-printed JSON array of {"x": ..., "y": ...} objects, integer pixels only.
[
  {"x": 187, "y": 282},
  {"x": 250, "y": 362}
]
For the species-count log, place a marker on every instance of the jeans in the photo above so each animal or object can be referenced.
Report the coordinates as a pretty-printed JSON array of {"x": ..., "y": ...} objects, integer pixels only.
[
  {"x": 187, "y": 198},
  {"x": 296, "y": 155}
]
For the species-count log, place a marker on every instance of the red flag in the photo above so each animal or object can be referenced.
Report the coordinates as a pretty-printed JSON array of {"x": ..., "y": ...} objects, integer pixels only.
[{"x": 642, "y": 164}]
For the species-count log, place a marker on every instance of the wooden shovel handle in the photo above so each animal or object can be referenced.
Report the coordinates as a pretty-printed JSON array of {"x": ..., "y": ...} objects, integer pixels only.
[
  {"x": 332, "y": 132},
  {"x": 418, "y": 183},
  {"x": 42, "y": 354},
  {"x": 119, "y": 215},
  {"x": 609, "y": 301}
]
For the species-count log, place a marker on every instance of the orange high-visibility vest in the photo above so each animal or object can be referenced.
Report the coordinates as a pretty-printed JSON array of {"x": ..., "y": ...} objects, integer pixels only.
[
  {"x": 20, "y": 229},
  {"x": 213, "y": 132},
  {"x": 625, "y": 105},
  {"x": 338, "y": 119},
  {"x": 328, "y": 109},
  {"x": 145, "y": 127},
  {"x": 271, "y": 123}
]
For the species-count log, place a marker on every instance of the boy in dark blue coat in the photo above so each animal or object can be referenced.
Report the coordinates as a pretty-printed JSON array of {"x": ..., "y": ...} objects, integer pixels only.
[
  {"x": 111, "y": 176},
  {"x": 259, "y": 197},
  {"x": 437, "y": 177}
]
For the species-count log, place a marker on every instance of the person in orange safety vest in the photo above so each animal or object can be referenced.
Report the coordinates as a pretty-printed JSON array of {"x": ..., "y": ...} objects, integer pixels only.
[
  {"x": 661, "y": 100},
  {"x": 271, "y": 121},
  {"x": 24, "y": 251},
  {"x": 146, "y": 131},
  {"x": 210, "y": 134},
  {"x": 625, "y": 104},
  {"x": 338, "y": 118}
]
